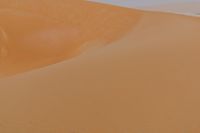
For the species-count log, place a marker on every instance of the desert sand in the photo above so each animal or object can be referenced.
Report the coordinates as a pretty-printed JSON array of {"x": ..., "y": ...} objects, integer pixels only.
[
  {"x": 132, "y": 72},
  {"x": 44, "y": 32}
]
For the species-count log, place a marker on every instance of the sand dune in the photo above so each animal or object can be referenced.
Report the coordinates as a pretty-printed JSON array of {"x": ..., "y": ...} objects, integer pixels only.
[
  {"x": 145, "y": 80},
  {"x": 40, "y": 35},
  {"x": 190, "y": 8}
]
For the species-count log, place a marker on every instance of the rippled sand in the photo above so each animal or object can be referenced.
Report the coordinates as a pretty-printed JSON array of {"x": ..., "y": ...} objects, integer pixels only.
[{"x": 131, "y": 71}]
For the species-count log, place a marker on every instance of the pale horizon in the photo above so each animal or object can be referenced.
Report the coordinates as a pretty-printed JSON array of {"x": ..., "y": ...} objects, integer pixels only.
[
  {"x": 187, "y": 7},
  {"x": 139, "y": 3}
]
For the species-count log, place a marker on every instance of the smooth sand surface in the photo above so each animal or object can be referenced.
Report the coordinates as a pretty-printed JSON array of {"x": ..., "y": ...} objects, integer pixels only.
[
  {"x": 38, "y": 33},
  {"x": 145, "y": 81}
]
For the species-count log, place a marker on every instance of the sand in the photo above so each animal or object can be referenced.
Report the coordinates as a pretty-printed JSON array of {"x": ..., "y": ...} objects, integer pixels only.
[
  {"x": 45, "y": 32},
  {"x": 140, "y": 77}
]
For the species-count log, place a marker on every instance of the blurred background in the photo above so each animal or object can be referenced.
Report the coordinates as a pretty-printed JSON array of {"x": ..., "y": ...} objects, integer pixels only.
[{"x": 188, "y": 7}]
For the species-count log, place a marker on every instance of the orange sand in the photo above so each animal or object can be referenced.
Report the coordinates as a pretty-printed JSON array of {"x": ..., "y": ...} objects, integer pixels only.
[
  {"x": 145, "y": 81},
  {"x": 43, "y": 32}
]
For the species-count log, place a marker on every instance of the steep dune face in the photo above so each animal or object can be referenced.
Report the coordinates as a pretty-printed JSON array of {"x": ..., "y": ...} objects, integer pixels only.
[
  {"x": 40, "y": 33},
  {"x": 146, "y": 81}
]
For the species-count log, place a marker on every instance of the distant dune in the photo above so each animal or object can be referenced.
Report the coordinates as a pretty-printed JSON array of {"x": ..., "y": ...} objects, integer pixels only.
[
  {"x": 85, "y": 67},
  {"x": 190, "y": 8}
]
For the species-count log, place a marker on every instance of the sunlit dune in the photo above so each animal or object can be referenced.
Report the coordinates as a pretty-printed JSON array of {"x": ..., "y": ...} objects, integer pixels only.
[
  {"x": 83, "y": 67},
  {"x": 40, "y": 35}
]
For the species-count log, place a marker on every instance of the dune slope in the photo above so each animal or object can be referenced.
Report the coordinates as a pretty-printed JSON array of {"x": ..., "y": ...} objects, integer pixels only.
[
  {"x": 146, "y": 81},
  {"x": 44, "y": 32}
]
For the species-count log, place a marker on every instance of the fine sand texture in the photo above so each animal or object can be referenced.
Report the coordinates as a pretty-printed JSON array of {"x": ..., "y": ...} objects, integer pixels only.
[{"x": 131, "y": 71}]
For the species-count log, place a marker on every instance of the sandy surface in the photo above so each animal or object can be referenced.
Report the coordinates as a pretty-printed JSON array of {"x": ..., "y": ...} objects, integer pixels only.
[
  {"x": 145, "y": 81},
  {"x": 40, "y": 33}
]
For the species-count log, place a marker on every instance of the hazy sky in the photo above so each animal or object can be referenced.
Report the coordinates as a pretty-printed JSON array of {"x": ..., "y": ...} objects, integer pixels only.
[{"x": 132, "y": 3}]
